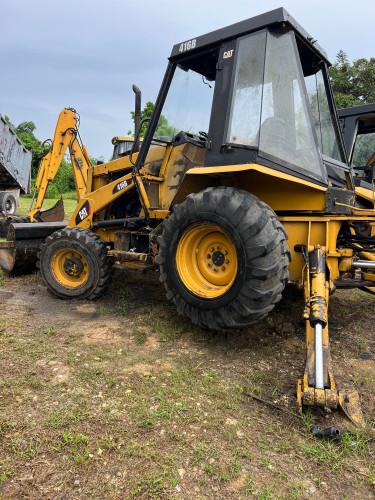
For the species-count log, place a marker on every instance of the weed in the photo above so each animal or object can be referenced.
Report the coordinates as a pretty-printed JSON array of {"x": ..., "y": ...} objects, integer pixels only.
[
  {"x": 140, "y": 337},
  {"x": 6, "y": 472},
  {"x": 208, "y": 469},
  {"x": 50, "y": 331},
  {"x": 26, "y": 449},
  {"x": 264, "y": 494},
  {"x": 2, "y": 278},
  {"x": 65, "y": 416},
  {"x": 234, "y": 468},
  {"x": 199, "y": 452},
  {"x": 308, "y": 420},
  {"x": 325, "y": 451},
  {"x": 248, "y": 486}
]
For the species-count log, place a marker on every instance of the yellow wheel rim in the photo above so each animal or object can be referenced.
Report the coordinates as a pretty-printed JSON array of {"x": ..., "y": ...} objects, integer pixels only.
[
  {"x": 69, "y": 268},
  {"x": 206, "y": 260}
]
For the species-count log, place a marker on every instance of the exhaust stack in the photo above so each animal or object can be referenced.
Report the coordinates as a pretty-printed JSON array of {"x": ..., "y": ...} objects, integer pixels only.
[{"x": 137, "y": 117}]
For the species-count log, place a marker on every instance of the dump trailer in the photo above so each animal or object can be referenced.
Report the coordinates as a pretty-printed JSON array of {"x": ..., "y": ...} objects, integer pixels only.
[
  {"x": 249, "y": 188},
  {"x": 15, "y": 167}
]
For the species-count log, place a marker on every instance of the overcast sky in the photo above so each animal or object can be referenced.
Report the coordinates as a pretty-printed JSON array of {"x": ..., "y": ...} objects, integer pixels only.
[{"x": 86, "y": 54}]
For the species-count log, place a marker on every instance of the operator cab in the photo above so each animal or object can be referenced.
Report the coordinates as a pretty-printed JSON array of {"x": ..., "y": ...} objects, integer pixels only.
[
  {"x": 358, "y": 128},
  {"x": 254, "y": 92}
]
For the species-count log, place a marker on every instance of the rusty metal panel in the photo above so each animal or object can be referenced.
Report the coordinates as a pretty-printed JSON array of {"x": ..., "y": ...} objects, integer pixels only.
[{"x": 15, "y": 160}]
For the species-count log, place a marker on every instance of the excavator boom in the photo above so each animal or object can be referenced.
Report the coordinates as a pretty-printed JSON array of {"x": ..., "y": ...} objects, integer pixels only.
[
  {"x": 18, "y": 253},
  {"x": 65, "y": 137}
]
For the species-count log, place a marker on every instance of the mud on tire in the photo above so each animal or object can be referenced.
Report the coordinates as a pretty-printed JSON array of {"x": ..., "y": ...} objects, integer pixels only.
[
  {"x": 241, "y": 221},
  {"x": 73, "y": 263}
]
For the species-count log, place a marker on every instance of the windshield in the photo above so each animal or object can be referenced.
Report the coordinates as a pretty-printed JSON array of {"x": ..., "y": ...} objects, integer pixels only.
[{"x": 187, "y": 106}]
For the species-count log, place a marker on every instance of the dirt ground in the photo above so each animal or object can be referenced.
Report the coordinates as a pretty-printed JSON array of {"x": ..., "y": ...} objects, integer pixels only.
[{"x": 121, "y": 398}]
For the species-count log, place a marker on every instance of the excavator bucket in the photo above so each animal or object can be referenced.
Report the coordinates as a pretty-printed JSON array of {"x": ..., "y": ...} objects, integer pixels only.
[
  {"x": 54, "y": 214},
  {"x": 18, "y": 254}
]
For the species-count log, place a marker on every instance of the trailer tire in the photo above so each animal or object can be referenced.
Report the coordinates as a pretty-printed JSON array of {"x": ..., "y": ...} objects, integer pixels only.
[
  {"x": 73, "y": 263},
  {"x": 8, "y": 203},
  {"x": 223, "y": 258}
]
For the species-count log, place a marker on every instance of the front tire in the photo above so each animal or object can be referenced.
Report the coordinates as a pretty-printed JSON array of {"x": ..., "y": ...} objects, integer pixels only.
[
  {"x": 73, "y": 263},
  {"x": 223, "y": 258}
]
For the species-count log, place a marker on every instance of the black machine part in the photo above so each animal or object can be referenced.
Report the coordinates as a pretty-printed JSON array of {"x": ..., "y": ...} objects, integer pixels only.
[{"x": 330, "y": 432}]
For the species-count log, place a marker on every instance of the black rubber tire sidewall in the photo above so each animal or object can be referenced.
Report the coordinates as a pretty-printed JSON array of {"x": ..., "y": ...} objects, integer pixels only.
[
  {"x": 171, "y": 267},
  {"x": 5, "y": 198},
  {"x": 47, "y": 274}
]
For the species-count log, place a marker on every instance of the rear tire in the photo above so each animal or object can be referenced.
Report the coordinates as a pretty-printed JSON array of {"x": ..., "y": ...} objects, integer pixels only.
[
  {"x": 73, "y": 263},
  {"x": 223, "y": 258},
  {"x": 8, "y": 203}
]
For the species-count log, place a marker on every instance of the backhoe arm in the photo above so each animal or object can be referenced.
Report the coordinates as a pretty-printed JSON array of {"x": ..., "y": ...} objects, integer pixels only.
[{"x": 65, "y": 137}]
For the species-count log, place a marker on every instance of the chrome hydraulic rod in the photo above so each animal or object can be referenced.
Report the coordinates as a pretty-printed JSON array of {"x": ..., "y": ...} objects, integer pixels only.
[
  {"x": 319, "y": 363},
  {"x": 370, "y": 264}
]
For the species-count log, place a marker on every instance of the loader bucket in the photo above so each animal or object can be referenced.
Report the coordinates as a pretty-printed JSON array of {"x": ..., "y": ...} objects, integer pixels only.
[
  {"x": 54, "y": 214},
  {"x": 18, "y": 254}
]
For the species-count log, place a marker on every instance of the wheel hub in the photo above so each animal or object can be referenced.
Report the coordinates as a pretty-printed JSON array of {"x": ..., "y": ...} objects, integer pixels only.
[
  {"x": 69, "y": 268},
  {"x": 218, "y": 258},
  {"x": 207, "y": 260},
  {"x": 73, "y": 266}
]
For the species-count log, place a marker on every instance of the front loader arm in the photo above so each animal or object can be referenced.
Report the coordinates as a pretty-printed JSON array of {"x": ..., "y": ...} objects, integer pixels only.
[
  {"x": 96, "y": 201},
  {"x": 65, "y": 137}
]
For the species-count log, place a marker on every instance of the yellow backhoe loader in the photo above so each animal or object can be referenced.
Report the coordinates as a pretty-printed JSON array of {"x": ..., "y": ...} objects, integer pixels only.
[{"x": 250, "y": 155}]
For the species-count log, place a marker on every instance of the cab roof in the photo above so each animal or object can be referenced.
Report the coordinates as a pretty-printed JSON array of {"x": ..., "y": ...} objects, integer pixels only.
[{"x": 273, "y": 17}]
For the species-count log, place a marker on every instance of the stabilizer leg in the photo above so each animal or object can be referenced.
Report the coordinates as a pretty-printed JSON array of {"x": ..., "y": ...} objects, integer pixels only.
[{"x": 317, "y": 387}]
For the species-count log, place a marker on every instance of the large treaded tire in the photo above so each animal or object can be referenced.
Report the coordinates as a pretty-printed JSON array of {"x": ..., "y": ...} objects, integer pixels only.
[
  {"x": 94, "y": 252},
  {"x": 263, "y": 257}
]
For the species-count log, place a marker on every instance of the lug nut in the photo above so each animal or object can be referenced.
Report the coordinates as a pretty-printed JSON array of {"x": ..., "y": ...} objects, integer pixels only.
[
  {"x": 226, "y": 261},
  {"x": 210, "y": 264},
  {"x": 216, "y": 269},
  {"x": 212, "y": 249},
  {"x": 209, "y": 256},
  {"x": 226, "y": 252},
  {"x": 223, "y": 268},
  {"x": 219, "y": 247}
]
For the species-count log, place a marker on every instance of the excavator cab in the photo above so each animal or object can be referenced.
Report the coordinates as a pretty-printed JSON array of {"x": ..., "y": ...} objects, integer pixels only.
[{"x": 358, "y": 128}]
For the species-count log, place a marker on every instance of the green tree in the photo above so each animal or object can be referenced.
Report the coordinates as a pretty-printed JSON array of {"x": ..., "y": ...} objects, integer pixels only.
[
  {"x": 25, "y": 132},
  {"x": 145, "y": 113},
  {"x": 353, "y": 84},
  {"x": 162, "y": 129}
]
